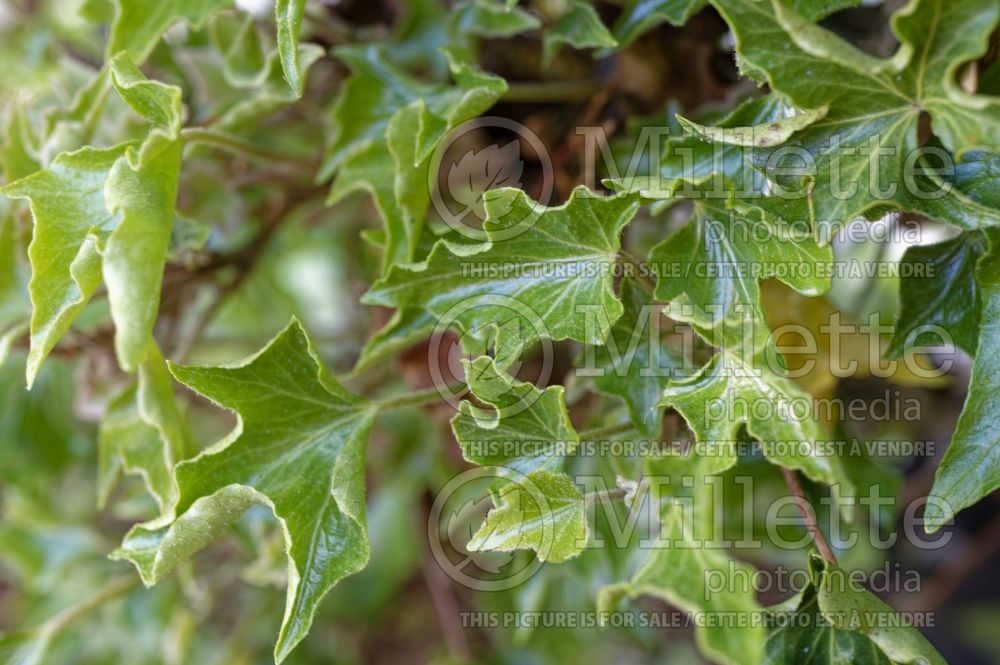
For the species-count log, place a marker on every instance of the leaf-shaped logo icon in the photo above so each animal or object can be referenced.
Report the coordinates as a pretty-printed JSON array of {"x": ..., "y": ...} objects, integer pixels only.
[
  {"x": 456, "y": 520},
  {"x": 460, "y": 526},
  {"x": 478, "y": 171}
]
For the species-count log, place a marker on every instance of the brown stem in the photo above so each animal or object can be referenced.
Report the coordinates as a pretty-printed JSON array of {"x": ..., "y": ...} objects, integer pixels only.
[{"x": 808, "y": 516}]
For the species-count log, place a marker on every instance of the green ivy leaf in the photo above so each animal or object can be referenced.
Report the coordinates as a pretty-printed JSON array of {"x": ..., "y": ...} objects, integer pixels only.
[
  {"x": 578, "y": 242},
  {"x": 977, "y": 175},
  {"x": 69, "y": 129},
  {"x": 138, "y": 24},
  {"x": 847, "y": 606},
  {"x": 807, "y": 636},
  {"x": 543, "y": 511},
  {"x": 814, "y": 10},
  {"x": 677, "y": 570},
  {"x": 298, "y": 448},
  {"x": 940, "y": 291},
  {"x": 809, "y": 639},
  {"x": 288, "y": 16},
  {"x": 723, "y": 253},
  {"x": 728, "y": 393},
  {"x": 387, "y": 122},
  {"x": 768, "y": 132},
  {"x": 270, "y": 92},
  {"x": 880, "y": 110},
  {"x": 580, "y": 27},
  {"x": 105, "y": 212},
  {"x": 237, "y": 40},
  {"x": 641, "y": 16},
  {"x": 487, "y": 18},
  {"x": 67, "y": 203},
  {"x": 141, "y": 433},
  {"x": 637, "y": 366},
  {"x": 525, "y": 429},
  {"x": 970, "y": 468},
  {"x": 972, "y": 193},
  {"x": 712, "y": 162},
  {"x": 140, "y": 194}
]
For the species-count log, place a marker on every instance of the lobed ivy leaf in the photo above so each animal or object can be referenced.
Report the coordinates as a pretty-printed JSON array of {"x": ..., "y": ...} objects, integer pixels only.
[
  {"x": 495, "y": 286},
  {"x": 815, "y": 10},
  {"x": 542, "y": 511},
  {"x": 717, "y": 260},
  {"x": 770, "y": 131},
  {"x": 108, "y": 214},
  {"x": 238, "y": 42},
  {"x": 580, "y": 27},
  {"x": 69, "y": 211},
  {"x": 298, "y": 448},
  {"x": 140, "y": 193},
  {"x": 808, "y": 638},
  {"x": 69, "y": 129},
  {"x": 138, "y": 25},
  {"x": 105, "y": 212},
  {"x": 141, "y": 433},
  {"x": 488, "y": 18},
  {"x": 679, "y": 566},
  {"x": 640, "y": 16},
  {"x": 861, "y": 146},
  {"x": 970, "y": 468},
  {"x": 718, "y": 161},
  {"x": 270, "y": 92},
  {"x": 849, "y": 607},
  {"x": 941, "y": 297},
  {"x": 834, "y": 622},
  {"x": 524, "y": 429},
  {"x": 247, "y": 66},
  {"x": 635, "y": 364},
  {"x": 730, "y": 392},
  {"x": 387, "y": 122}
]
